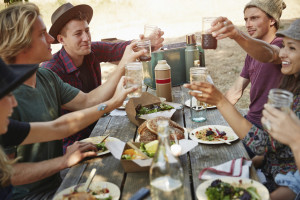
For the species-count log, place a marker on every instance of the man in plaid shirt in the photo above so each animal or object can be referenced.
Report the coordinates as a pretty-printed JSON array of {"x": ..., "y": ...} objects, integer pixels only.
[{"x": 78, "y": 62}]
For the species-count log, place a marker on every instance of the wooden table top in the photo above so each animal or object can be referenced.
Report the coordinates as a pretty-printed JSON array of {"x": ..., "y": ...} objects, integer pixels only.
[{"x": 110, "y": 169}]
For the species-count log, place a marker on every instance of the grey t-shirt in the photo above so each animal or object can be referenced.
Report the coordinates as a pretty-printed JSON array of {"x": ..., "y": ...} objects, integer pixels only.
[{"x": 42, "y": 103}]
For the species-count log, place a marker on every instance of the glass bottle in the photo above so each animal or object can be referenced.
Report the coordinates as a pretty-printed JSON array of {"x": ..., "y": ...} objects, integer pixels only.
[{"x": 166, "y": 174}]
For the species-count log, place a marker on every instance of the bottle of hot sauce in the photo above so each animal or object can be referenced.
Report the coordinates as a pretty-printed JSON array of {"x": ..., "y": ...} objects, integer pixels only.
[{"x": 163, "y": 80}]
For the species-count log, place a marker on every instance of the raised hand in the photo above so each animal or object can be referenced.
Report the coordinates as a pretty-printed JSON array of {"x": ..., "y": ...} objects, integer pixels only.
[
  {"x": 285, "y": 127},
  {"x": 210, "y": 94},
  {"x": 223, "y": 28},
  {"x": 156, "y": 39},
  {"x": 130, "y": 55},
  {"x": 121, "y": 93}
]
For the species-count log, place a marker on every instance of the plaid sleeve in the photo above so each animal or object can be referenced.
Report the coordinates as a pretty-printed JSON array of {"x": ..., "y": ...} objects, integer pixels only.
[{"x": 107, "y": 52}]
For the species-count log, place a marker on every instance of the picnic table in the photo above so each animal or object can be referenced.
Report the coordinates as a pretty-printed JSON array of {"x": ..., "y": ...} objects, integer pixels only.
[{"x": 110, "y": 169}]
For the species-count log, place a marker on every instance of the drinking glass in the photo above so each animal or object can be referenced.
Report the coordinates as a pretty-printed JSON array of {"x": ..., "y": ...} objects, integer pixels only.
[
  {"x": 178, "y": 98},
  {"x": 198, "y": 110},
  {"x": 144, "y": 44},
  {"x": 151, "y": 33},
  {"x": 280, "y": 99},
  {"x": 208, "y": 41},
  {"x": 134, "y": 74}
]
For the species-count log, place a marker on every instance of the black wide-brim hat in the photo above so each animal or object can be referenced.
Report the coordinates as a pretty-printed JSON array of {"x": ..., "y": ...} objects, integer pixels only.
[
  {"x": 64, "y": 14},
  {"x": 11, "y": 76}
]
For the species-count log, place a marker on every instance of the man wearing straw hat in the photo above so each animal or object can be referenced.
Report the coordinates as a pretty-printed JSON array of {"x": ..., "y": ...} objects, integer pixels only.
[
  {"x": 24, "y": 40},
  {"x": 78, "y": 62}
]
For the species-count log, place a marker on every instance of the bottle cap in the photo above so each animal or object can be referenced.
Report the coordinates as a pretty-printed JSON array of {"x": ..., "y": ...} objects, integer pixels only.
[
  {"x": 191, "y": 39},
  {"x": 196, "y": 63}
]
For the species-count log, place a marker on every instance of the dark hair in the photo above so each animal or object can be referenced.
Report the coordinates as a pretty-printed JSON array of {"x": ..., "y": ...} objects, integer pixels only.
[{"x": 290, "y": 83}]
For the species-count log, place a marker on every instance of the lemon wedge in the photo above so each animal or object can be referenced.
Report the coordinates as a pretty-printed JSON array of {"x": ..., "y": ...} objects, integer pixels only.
[{"x": 151, "y": 146}]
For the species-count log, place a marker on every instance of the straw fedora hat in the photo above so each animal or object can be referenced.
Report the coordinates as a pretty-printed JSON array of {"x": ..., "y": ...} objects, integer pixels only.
[
  {"x": 11, "y": 76},
  {"x": 64, "y": 14}
]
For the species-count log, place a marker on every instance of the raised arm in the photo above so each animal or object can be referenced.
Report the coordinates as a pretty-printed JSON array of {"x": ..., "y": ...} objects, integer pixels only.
[
  {"x": 258, "y": 49},
  {"x": 71, "y": 123},
  {"x": 211, "y": 95},
  {"x": 235, "y": 92},
  {"x": 104, "y": 92}
]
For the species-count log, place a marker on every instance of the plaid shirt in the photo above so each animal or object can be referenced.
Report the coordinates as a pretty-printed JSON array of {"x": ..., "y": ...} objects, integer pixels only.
[{"x": 64, "y": 67}]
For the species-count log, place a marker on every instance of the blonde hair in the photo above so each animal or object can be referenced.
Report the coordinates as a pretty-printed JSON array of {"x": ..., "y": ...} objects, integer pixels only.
[
  {"x": 5, "y": 169},
  {"x": 16, "y": 22}
]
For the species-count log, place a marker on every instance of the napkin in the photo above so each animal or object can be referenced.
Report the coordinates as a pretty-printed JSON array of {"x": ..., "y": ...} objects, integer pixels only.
[
  {"x": 117, "y": 112},
  {"x": 237, "y": 168}
]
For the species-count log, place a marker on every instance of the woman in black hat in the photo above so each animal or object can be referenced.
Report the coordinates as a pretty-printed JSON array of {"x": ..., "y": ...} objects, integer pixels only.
[{"x": 9, "y": 80}]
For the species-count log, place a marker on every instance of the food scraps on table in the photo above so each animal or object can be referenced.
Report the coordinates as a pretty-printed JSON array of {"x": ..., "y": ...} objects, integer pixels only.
[{"x": 219, "y": 190}]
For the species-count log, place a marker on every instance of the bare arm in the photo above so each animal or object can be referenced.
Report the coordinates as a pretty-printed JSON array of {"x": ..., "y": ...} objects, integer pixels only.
[
  {"x": 258, "y": 49},
  {"x": 211, "y": 95},
  {"x": 71, "y": 123},
  {"x": 235, "y": 92},
  {"x": 104, "y": 92},
  {"x": 24, "y": 173}
]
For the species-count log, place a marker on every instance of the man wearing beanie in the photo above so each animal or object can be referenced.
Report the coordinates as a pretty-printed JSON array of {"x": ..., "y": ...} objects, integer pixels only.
[{"x": 262, "y": 19}]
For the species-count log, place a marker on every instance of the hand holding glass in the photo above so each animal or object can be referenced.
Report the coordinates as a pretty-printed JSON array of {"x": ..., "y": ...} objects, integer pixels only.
[
  {"x": 134, "y": 74},
  {"x": 280, "y": 99}
]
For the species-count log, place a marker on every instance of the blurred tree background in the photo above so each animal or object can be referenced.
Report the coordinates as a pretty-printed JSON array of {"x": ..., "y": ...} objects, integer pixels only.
[{"x": 7, "y": 2}]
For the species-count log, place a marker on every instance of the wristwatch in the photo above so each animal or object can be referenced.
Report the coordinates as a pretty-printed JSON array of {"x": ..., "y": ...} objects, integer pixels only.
[{"x": 102, "y": 107}]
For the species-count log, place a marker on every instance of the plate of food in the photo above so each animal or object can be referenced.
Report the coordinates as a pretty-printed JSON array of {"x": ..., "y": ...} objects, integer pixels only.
[
  {"x": 194, "y": 104},
  {"x": 100, "y": 146},
  {"x": 147, "y": 131},
  {"x": 98, "y": 190},
  {"x": 235, "y": 187},
  {"x": 213, "y": 134},
  {"x": 123, "y": 105}
]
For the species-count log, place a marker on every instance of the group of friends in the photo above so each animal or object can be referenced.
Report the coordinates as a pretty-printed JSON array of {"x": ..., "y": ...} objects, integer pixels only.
[{"x": 50, "y": 102}]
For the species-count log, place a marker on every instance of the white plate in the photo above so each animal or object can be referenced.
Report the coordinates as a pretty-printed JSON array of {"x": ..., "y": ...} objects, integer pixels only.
[
  {"x": 96, "y": 140},
  {"x": 194, "y": 103},
  {"x": 123, "y": 105},
  {"x": 229, "y": 133},
  {"x": 186, "y": 136},
  {"x": 114, "y": 190},
  {"x": 261, "y": 189}
]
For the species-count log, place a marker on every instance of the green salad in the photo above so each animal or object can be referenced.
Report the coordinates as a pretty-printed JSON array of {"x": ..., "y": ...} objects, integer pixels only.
[
  {"x": 219, "y": 190},
  {"x": 142, "y": 110}
]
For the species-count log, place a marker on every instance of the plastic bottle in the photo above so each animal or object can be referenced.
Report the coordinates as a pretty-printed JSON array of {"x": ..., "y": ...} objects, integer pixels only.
[
  {"x": 166, "y": 174},
  {"x": 191, "y": 54},
  {"x": 163, "y": 80}
]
